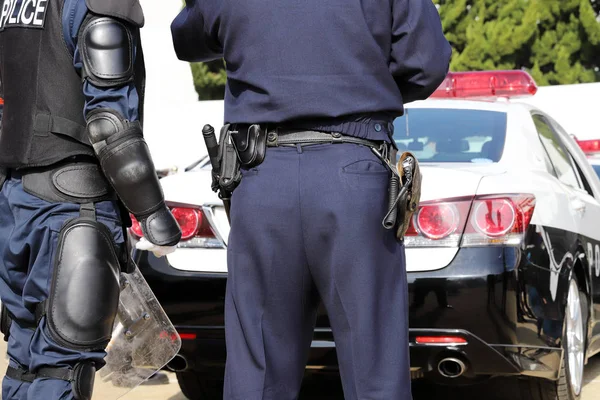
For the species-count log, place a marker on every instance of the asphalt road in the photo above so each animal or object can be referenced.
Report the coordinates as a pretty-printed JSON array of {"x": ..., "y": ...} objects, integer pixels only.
[{"x": 165, "y": 388}]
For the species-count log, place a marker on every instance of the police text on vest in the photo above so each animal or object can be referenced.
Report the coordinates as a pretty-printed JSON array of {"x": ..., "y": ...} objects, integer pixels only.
[{"x": 23, "y": 14}]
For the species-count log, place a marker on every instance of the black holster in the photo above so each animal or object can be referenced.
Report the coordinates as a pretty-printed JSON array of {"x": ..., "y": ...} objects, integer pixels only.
[
  {"x": 250, "y": 142},
  {"x": 228, "y": 177}
]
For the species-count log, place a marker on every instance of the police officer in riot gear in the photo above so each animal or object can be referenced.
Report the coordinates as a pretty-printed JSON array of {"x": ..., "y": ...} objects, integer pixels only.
[
  {"x": 73, "y": 163},
  {"x": 318, "y": 83}
]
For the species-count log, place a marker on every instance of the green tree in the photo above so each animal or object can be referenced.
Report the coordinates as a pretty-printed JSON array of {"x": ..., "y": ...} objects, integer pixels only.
[
  {"x": 557, "y": 41},
  {"x": 209, "y": 79}
]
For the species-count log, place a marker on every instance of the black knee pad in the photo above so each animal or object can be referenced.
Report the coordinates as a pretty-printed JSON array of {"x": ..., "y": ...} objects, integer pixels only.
[
  {"x": 83, "y": 380},
  {"x": 84, "y": 295}
]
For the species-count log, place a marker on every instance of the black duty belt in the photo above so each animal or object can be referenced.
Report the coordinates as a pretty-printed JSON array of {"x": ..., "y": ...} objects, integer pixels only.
[
  {"x": 278, "y": 138},
  {"x": 77, "y": 181}
]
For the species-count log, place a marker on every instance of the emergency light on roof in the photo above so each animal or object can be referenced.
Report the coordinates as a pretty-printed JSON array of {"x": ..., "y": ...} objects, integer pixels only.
[
  {"x": 589, "y": 146},
  {"x": 486, "y": 84}
]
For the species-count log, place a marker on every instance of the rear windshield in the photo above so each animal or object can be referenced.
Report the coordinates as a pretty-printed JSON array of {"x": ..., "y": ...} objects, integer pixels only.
[{"x": 451, "y": 135}]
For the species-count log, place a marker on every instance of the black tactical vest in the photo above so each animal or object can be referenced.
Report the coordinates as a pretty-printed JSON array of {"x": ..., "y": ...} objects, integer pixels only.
[{"x": 43, "y": 120}]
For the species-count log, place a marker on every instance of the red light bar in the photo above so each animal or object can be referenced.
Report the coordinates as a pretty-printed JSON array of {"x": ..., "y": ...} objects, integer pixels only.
[
  {"x": 1, "y": 101},
  {"x": 187, "y": 336},
  {"x": 440, "y": 340},
  {"x": 509, "y": 84},
  {"x": 589, "y": 146}
]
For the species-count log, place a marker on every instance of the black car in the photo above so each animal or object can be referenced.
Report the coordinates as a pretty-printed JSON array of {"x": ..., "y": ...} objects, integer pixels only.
[{"x": 503, "y": 257}]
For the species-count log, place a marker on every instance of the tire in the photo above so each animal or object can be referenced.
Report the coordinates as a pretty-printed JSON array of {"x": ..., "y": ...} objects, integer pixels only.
[
  {"x": 570, "y": 382},
  {"x": 196, "y": 387}
]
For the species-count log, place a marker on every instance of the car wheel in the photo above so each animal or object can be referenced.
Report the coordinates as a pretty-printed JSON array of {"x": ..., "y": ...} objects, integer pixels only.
[
  {"x": 196, "y": 387},
  {"x": 570, "y": 382}
]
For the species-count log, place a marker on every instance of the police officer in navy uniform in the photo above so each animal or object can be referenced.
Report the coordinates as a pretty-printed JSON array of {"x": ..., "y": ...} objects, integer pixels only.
[
  {"x": 324, "y": 80},
  {"x": 74, "y": 163}
]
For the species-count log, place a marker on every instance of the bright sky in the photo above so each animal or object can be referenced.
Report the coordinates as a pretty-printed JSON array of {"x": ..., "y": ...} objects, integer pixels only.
[{"x": 173, "y": 117}]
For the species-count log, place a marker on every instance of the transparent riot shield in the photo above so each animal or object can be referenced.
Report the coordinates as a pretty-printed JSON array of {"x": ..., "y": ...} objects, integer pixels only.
[{"x": 143, "y": 340}]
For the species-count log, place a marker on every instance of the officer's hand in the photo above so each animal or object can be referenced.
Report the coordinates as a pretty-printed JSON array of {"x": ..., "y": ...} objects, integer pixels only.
[{"x": 158, "y": 251}]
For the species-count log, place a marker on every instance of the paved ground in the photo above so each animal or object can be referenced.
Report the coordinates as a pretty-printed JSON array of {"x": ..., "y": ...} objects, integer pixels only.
[{"x": 166, "y": 388}]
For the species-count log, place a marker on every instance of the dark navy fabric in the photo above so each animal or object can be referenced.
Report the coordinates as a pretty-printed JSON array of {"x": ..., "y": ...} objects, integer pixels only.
[
  {"x": 124, "y": 99},
  {"x": 327, "y": 64},
  {"x": 306, "y": 224},
  {"x": 29, "y": 230}
]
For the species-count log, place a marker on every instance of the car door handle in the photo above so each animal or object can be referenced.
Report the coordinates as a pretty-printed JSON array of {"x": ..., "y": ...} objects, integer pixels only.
[{"x": 578, "y": 205}]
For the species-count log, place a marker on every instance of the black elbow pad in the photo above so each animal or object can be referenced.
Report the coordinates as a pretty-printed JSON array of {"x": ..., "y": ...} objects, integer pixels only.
[
  {"x": 107, "y": 51},
  {"x": 127, "y": 164}
]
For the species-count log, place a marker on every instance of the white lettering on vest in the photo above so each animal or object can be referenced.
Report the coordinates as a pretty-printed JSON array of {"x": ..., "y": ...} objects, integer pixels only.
[
  {"x": 12, "y": 18},
  {"x": 28, "y": 7},
  {"x": 4, "y": 15},
  {"x": 23, "y": 14},
  {"x": 40, "y": 13}
]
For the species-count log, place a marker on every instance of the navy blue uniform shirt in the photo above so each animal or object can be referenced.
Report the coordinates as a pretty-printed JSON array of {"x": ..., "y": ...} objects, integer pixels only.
[
  {"x": 345, "y": 65},
  {"x": 123, "y": 99}
]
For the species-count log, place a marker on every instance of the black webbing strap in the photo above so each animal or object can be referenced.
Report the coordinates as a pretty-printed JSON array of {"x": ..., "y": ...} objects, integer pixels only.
[
  {"x": 88, "y": 211},
  {"x": 62, "y": 126},
  {"x": 63, "y": 374},
  {"x": 20, "y": 374}
]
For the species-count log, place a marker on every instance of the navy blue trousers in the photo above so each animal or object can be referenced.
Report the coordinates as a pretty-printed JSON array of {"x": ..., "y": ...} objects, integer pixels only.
[
  {"x": 306, "y": 225},
  {"x": 29, "y": 229}
]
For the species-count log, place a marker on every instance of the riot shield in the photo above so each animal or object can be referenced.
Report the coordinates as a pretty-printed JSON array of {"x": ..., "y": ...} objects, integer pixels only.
[{"x": 143, "y": 340}]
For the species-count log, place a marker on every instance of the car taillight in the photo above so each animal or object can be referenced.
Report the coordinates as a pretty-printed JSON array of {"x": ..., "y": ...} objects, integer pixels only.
[
  {"x": 499, "y": 219},
  {"x": 483, "y": 220},
  {"x": 438, "y": 221},
  {"x": 136, "y": 229},
  {"x": 494, "y": 217},
  {"x": 188, "y": 219},
  {"x": 196, "y": 230}
]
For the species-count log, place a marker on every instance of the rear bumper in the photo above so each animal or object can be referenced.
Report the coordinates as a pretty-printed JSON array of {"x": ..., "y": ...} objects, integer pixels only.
[
  {"x": 480, "y": 359},
  {"x": 478, "y": 292}
]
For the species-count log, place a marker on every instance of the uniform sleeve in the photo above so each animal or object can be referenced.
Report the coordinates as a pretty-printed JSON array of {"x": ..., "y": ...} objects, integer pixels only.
[
  {"x": 195, "y": 31},
  {"x": 123, "y": 99},
  {"x": 421, "y": 54}
]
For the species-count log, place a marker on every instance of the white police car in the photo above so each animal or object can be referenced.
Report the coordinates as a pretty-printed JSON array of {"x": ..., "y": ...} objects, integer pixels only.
[{"x": 503, "y": 256}]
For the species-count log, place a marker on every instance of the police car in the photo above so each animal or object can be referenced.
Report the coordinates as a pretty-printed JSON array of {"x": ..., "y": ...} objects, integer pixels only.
[{"x": 503, "y": 255}]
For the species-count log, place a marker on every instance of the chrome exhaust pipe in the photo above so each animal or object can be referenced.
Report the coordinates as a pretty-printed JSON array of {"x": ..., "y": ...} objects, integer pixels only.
[
  {"x": 451, "y": 367},
  {"x": 178, "y": 364}
]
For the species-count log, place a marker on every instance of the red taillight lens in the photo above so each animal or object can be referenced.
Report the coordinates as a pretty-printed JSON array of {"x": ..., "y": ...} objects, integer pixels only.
[
  {"x": 494, "y": 217},
  {"x": 194, "y": 225},
  {"x": 136, "y": 229},
  {"x": 440, "y": 340},
  {"x": 483, "y": 220},
  {"x": 437, "y": 221},
  {"x": 189, "y": 220}
]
